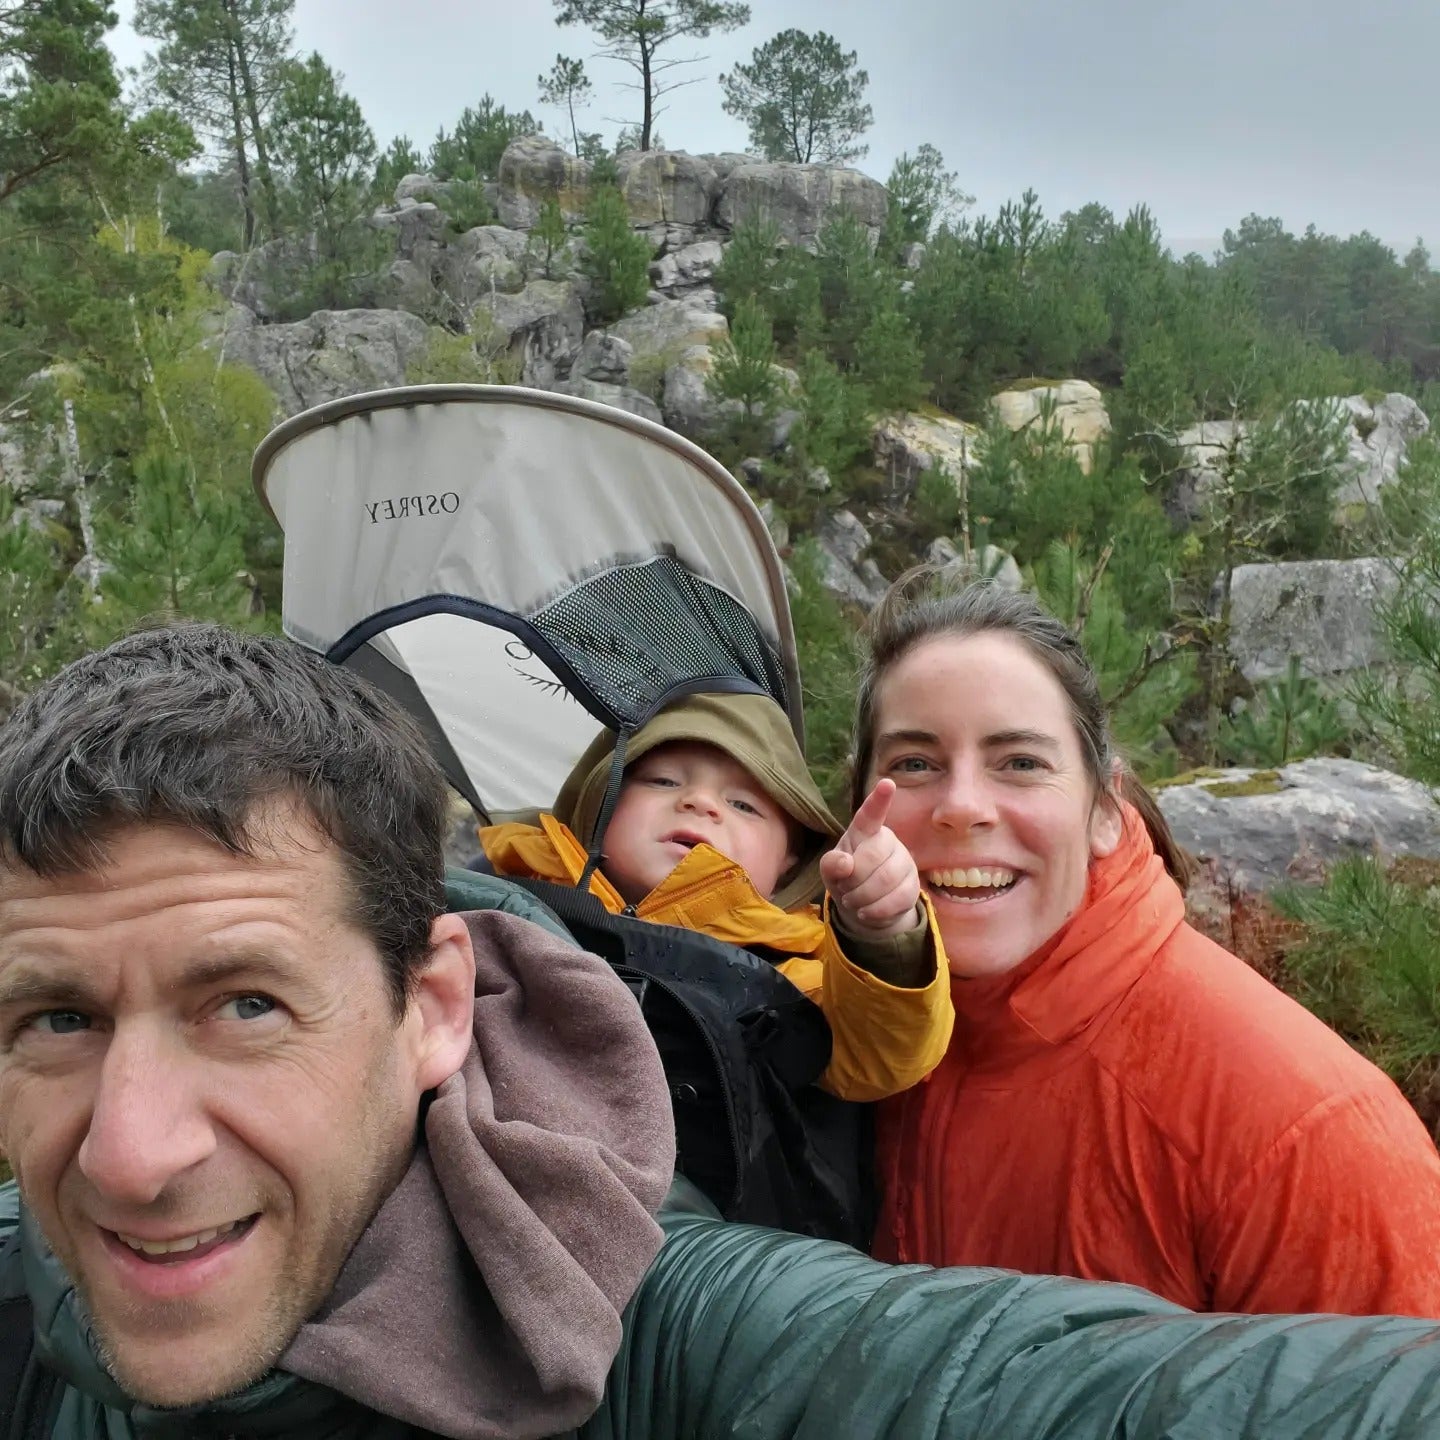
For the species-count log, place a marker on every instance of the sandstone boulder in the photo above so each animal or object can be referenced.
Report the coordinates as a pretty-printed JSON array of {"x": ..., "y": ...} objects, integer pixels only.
[
  {"x": 1079, "y": 411},
  {"x": 800, "y": 198},
  {"x": 729, "y": 160},
  {"x": 989, "y": 562},
  {"x": 687, "y": 268},
  {"x": 541, "y": 326},
  {"x": 487, "y": 260},
  {"x": 415, "y": 188},
  {"x": 329, "y": 354},
  {"x": 905, "y": 445},
  {"x": 409, "y": 285},
  {"x": 668, "y": 329},
  {"x": 1254, "y": 830},
  {"x": 622, "y": 397},
  {"x": 420, "y": 230},
  {"x": 685, "y": 398},
  {"x": 842, "y": 541},
  {"x": 532, "y": 169},
  {"x": 690, "y": 408},
  {"x": 1202, "y": 449},
  {"x": 604, "y": 358},
  {"x": 1323, "y": 611},
  {"x": 666, "y": 187},
  {"x": 1381, "y": 429}
]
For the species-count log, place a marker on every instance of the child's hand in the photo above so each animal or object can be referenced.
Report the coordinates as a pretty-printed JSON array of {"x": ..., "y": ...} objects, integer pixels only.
[{"x": 870, "y": 875}]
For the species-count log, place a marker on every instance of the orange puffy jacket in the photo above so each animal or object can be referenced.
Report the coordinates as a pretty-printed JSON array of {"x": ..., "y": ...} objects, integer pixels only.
[{"x": 1134, "y": 1103}]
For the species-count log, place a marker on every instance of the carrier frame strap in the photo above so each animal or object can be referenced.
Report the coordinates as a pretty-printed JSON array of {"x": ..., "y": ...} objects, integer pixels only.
[{"x": 607, "y": 809}]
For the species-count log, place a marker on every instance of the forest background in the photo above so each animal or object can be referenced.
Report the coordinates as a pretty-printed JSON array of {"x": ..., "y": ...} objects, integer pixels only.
[{"x": 133, "y": 434}]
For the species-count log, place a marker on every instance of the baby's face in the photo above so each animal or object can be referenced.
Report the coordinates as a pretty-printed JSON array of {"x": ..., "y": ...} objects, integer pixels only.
[{"x": 683, "y": 794}]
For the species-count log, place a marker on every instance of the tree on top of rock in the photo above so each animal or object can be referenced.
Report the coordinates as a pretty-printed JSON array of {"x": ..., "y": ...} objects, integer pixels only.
[
  {"x": 472, "y": 152},
  {"x": 326, "y": 153},
  {"x": 567, "y": 87},
  {"x": 803, "y": 98},
  {"x": 636, "y": 31}
]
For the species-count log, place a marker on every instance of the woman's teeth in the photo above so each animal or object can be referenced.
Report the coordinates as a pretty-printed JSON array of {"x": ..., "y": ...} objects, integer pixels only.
[{"x": 972, "y": 879}]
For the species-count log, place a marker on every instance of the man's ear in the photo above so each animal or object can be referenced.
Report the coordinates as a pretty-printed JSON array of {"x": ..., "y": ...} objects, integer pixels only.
[{"x": 442, "y": 1007}]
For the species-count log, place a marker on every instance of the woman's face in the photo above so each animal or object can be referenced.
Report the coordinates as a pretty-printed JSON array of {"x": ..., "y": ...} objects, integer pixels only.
[{"x": 992, "y": 795}]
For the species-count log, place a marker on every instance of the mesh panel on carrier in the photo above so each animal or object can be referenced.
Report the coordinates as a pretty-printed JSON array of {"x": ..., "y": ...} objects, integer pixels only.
[{"x": 636, "y": 634}]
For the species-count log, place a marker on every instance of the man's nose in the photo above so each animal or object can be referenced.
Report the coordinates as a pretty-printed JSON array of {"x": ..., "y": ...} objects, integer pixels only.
[
  {"x": 965, "y": 800},
  {"x": 148, "y": 1124}
]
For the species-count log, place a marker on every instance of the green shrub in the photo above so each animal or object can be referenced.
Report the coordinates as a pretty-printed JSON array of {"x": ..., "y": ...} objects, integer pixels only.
[
  {"x": 1370, "y": 967},
  {"x": 1288, "y": 719},
  {"x": 616, "y": 259}
]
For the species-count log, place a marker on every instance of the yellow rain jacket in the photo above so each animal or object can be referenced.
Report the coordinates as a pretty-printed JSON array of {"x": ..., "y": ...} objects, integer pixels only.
[{"x": 886, "y": 1036}]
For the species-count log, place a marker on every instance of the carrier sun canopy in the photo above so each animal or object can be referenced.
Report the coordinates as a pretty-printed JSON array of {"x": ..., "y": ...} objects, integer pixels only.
[{"x": 519, "y": 569}]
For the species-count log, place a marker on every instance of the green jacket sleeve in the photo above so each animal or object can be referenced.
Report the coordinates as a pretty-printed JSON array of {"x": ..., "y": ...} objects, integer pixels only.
[{"x": 738, "y": 1331}]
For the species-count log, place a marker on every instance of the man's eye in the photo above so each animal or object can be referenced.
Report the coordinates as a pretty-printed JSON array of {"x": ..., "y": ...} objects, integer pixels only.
[
  {"x": 60, "y": 1022},
  {"x": 246, "y": 1007}
]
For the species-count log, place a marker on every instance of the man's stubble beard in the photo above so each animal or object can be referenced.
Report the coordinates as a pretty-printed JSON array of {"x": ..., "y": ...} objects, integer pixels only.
[{"x": 289, "y": 1305}]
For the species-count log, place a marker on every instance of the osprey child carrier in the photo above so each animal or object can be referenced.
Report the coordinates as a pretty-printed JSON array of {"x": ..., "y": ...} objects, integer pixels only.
[{"x": 523, "y": 572}]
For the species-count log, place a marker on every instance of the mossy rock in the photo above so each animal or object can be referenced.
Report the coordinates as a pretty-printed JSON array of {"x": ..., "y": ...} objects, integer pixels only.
[
  {"x": 1213, "y": 781},
  {"x": 1033, "y": 382},
  {"x": 934, "y": 412},
  {"x": 1262, "y": 782},
  {"x": 1187, "y": 777}
]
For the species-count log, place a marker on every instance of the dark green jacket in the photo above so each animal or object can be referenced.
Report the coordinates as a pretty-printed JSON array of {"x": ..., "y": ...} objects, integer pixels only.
[
  {"x": 744, "y": 1332},
  {"x": 741, "y": 1332}
]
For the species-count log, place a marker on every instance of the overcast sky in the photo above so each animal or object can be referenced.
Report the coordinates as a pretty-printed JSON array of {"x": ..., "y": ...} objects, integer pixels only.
[{"x": 1313, "y": 110}]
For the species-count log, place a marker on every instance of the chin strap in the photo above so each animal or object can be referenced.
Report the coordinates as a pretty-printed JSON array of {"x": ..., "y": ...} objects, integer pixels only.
[{"x": 607, "y": 809}]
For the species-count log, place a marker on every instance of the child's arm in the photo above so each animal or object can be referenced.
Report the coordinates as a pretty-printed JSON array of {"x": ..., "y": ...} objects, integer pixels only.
[
  {"x": 871, "y": 876},
  {"x": 882, "y": 981}
]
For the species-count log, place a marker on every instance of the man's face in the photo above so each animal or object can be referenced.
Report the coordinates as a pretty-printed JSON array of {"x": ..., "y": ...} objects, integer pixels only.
[{"x": 205, "y": 1093}]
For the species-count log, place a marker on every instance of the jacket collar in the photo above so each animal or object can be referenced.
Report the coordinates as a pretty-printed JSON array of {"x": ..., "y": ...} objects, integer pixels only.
[
  {"x": 1050, "y": 1008},
  {"x": 706, "y": 891}
]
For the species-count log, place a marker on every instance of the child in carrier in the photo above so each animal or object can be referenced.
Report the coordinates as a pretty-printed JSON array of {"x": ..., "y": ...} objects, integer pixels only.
[{"x": 719, "y": 828}]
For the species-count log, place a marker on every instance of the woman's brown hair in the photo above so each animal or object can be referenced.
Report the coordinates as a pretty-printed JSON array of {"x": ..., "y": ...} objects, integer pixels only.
[{"x": 920, "y": 607}]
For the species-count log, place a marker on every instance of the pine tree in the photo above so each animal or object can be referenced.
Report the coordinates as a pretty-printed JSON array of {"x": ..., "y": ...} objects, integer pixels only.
[
  {"x": 472, "y": 151},
  {"x": 326, "y": 153},
  {"x": 743, "y": 370},
  {"x": 923, "y": 194},
  {"x": 30, "y": 577},
  {"x": 616, "y": 259},
  {"x": 1403, "y": 707},
  {"x": 801, "y": 97},
  {"x": 219, "y": 63},
  {"x": 635, "y": 32},
  {"x": 59, "y": 94},
  {"x": 175, "y": 552},
  {"x": 567, "y": 88},
  {"x": 399, "y": 159},
  {"x": 888, "y": 362},
  {"x": 549, "y": 235},
  {"x": 834, "y": 429},
  {"x": 750, "y": 266}
]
